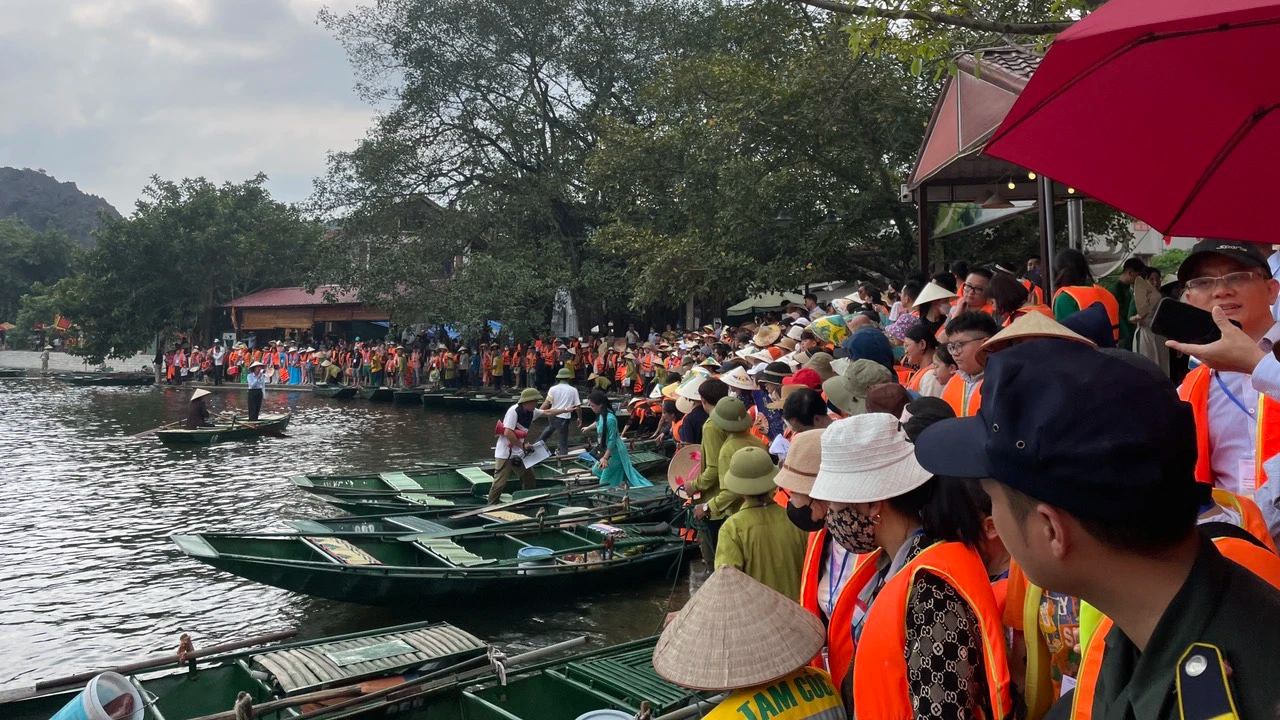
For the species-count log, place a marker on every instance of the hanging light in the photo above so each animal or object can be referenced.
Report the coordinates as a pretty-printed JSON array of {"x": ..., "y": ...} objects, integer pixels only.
[
  {"x": 1012, "y": 185},
  {"x": 832, "y": 218},
  {"x": 996, "y": 201},
  {"x": 1031, "y": 176},
  {"x": 1071, "y": 191},
  {"x": 784, "y": 218}
]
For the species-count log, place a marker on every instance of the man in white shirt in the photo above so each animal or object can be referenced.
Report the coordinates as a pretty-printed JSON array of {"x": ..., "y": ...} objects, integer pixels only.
[
  {"x": 562, "y": 396},
  {"x": 218, "y": 354},
  {"x": 512, "y": 444},
  {"x": 257, "y": 381}
]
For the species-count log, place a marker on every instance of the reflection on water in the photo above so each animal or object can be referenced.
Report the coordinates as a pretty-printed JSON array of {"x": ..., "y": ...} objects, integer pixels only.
[{"x": 88, "y": 576}]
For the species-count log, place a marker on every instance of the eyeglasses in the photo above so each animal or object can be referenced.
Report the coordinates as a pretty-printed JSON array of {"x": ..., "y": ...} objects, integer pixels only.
[
  {"x": 1232, "y": 281},
  {"x": 975, "y": 288},
  {"x": 955, "y": 348}
]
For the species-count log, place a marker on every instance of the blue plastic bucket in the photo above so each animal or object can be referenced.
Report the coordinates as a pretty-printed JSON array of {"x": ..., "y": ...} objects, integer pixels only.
[
  {"x": 606, "y": 714},
  {"x": 533, "y": 552},
  {"x": 102, "y": 691}
]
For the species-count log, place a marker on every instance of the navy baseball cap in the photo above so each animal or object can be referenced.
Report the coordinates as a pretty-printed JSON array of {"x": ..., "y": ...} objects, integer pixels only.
[{"x": 1072, "y": 427}]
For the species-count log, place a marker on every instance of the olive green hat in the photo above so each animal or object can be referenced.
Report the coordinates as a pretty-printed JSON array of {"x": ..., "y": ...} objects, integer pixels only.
[
  {"x": 564, "y": 374},
  {"x": 529, "y": 395},
  {"x": 751, "y": 472},
  {"x": 848, "y": 392},
  {"x": 731, "y": 415}
]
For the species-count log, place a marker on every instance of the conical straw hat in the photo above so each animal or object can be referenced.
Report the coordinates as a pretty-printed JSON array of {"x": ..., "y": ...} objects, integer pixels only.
[
  {"x": 931, "y": 292},
  {"x": 1030, "y": 326},
  {"x": 684, "y": 466},
  {"x": 736, "y": 633}
]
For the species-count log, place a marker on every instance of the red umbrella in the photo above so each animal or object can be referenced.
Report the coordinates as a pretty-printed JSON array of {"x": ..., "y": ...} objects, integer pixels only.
[{"x": 1163, "y": 109}]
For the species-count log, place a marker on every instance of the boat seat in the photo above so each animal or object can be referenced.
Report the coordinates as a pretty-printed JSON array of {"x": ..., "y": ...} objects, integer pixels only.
[
  {"x": 399, "y": 481},
  {"x": 505, "y": 516},
  {"x": 425, "y": 500},
  {"x": 629, "y": 677},
  {"x": 475, "y": 476},
  {"x": 453, "y": 552},
  {"x": 341, "y": 552},
  {"x": 418, "y": 524},
  {"x": 351, "y": 659}
]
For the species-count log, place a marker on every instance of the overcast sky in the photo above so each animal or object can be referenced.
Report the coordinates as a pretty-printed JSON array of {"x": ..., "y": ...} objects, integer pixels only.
[{"x": 106, "y": 93}]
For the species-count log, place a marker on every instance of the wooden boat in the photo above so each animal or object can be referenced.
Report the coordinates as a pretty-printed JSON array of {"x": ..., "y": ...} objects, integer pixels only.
[
  {"x": 108, "y": 379},
  {"x": 377, "y": 394},
  {"x": 382, "y": 657},
  {"x": 435, "y": 571},
  {"x": 619, "y": 677},
  {"x": 336, "y": 392},
  {"x": 241, "y": 429},
  {"x": 464, "y": 479},
  {"x": 407, "y": 396},
  {"x": 12, "y": 373},
  {"x": 426, "y": 505}
]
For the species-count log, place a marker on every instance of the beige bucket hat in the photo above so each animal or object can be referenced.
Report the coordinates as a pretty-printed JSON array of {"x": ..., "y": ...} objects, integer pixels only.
[
  {"x": 804, "y": 458},
  {"x": 736, "y": 633}
]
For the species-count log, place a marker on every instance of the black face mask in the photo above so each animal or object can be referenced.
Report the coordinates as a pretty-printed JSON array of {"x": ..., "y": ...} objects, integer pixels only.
[{"x": 802, "y": 517}]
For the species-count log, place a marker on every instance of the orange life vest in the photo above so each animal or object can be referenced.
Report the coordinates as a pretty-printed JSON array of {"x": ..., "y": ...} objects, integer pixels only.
[
  {"x": 903, "y": 372},
  {"x": 1086, "y": 296},
  {"x": 917, "y": 376},
  {"x": 840, "y": 645},
  {"x": 1035, "y": 291},
  {"x": 1026, "y": 309},
  {"x": 953, "y": 394},
  {"x": 880, "y": 688},
  {"x": 1195, "y": 390},
  {"x": 1263, "y": 563}
]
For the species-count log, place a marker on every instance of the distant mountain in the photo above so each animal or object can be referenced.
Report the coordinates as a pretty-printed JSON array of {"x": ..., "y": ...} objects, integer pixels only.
[{"x": 42, "y": 202}]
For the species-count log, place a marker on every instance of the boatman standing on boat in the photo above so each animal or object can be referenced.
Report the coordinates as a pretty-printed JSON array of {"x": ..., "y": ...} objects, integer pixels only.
[
  {"x": 257, "y": 387},
  {"x": 508, "y": 454},
  {"x": 562, "y": 395},
  {"x": 197, "y": 413}
]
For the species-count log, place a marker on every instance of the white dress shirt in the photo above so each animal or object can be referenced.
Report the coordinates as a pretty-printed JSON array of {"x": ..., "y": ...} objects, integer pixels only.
[{"x": 1274, "y": 263}]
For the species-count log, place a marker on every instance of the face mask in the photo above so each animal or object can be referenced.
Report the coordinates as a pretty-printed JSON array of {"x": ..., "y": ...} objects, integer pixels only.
[
  {"x": 853, "y": 530},
  {"x": 802, "y": 517}
]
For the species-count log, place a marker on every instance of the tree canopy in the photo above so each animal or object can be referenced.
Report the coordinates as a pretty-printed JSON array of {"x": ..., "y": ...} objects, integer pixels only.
[
  {"x": 188, "y": 248},
  {"x": 28, "y": 257}
]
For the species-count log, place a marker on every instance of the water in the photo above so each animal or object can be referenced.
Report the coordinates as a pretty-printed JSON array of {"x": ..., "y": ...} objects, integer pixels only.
[{"x": 89, "y": 579}]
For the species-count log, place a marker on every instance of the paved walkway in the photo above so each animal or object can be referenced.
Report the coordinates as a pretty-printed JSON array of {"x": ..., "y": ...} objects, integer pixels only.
[{"x": 62, "y": 362}]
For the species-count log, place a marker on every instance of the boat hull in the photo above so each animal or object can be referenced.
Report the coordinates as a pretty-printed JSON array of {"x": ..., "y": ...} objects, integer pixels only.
[
  {"x": 337, "y": 392},
  {"x": 107, "y": 380},
  {"x": 224, "y": 433},
  {"x": 378, "y": 394}
]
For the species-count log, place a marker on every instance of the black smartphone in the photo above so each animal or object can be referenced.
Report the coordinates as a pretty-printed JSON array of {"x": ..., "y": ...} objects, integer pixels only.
[{"x": 1185, "y": 323}]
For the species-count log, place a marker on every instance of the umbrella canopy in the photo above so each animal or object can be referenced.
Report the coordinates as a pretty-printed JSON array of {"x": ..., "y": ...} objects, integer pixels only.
[
  {"x": 1163, "y": 109},
  {"x": 764, "y": 303},
  {"x": 6, "y": 326}
]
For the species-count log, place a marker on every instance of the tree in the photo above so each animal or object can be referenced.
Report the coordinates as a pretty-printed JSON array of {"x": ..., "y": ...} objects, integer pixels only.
[
  {"x": 188, "y": 248},
  {"x": 468, "y": 199},
  {"x": 778, "y": 120},
  {"x": 28, "y": 257}
]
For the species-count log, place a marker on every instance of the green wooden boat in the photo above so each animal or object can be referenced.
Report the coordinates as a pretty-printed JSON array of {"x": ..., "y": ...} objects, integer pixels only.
[
  {"x": 619, "y": 677},
  {"x": 226, "y": 431},
  {"x": 279, "y": 671},
  {"x": 377, "y": 394},
  {"x": 336, "y": 392},
  {"x": 12, "y": 373},
  {"x": 407, "y": 396},
  {"x": 467, "y": 479},
  {"x": 108, "y": 379},
  {"x": 437, "y": 571}
]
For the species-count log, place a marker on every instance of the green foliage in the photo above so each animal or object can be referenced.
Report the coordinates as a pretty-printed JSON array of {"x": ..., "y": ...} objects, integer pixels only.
[
  {"x": 468, "y": 199},
  {"x": 37, "y": 307},
  {"x": 188, "y": 248},
  {"x": 1170, "y": 260},
  {"x": 45, "y": 204},
  {"x": 775, "y": 117},
  {"x": 28, "y": 257}
]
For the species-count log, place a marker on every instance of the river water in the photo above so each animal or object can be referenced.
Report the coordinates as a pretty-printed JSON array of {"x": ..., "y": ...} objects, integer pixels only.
[{"x": 89, "y": 579}]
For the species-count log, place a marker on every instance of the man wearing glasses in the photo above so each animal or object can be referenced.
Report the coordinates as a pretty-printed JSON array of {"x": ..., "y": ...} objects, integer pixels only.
[
  {"x": 965, "y": 334},
  {"x": 973, "y": 293},
  {"x": 1233, "y": 392}
]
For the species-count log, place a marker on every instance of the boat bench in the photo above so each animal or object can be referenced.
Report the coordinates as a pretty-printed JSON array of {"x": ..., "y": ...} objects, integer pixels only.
[
  {"x": 475, "y": 476},
  {"x": 425, "y": 500},
  {"x": 417, "y": 524},
  {"x": 399, "y": 481},
  {"x": 340, "y": 551},
  {"x": 629, "y": 677},
  {"x": 452, "y": 552},
  {"x": 504, "y": 516}
]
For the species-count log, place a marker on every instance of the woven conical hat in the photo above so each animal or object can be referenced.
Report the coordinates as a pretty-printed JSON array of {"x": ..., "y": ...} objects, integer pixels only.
[
  {"x": 931, "y": 292},
  {"x": 684, "y": 466},
  {"x": 736, "y": 633},
  {"x": 1028, "y": 327}
]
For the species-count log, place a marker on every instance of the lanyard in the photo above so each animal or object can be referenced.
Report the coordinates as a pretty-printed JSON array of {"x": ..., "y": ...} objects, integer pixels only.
[
  {"x": 1231, "y": 396},
  {"x": 833, "y": 580}
]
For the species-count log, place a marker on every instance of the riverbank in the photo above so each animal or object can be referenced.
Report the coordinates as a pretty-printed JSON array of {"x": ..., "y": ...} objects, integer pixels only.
[{"x": 62, "y": 362}]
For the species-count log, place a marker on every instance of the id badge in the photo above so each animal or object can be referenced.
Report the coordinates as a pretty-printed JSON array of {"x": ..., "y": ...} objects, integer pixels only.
[{"x": 1248, "y": 476}]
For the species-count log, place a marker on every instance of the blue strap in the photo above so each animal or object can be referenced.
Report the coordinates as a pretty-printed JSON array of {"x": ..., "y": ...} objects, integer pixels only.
[{"x": 1232, "y": 396}]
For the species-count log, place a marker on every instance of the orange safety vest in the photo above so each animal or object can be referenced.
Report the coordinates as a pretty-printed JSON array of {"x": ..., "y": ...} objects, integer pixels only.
[
  {"x": 1086, "y": 296},
  {"x": 880, "y": 688},
  {"x": 917, "y": 376},
  {"x": 1263, "y": 563},
  {"x": 1026, "y": 309},
  {"x": 1033, "y": 290},
  {"x": 840, "y": 645},
  {"x": 648, "y": 362},
  {"x": 1195, "y": 390},
  {"x": 903, "y": 372},
  {"x": 953, "y": 394}
]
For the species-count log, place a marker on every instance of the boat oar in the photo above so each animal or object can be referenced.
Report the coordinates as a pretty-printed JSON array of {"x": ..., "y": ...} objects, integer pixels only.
[
  {"x": 262, "y": 709},
  {"x": 269, "y": 432},
  {"x": 153, "y": 431},
  {"x": 525, "y": 501},
  {"x": 167, "y": 659},
  {"x": 452, "y": 676}
]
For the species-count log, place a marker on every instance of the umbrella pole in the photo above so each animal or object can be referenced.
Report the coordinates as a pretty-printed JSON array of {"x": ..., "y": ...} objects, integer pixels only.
[{"x": 1046, "y": 235}]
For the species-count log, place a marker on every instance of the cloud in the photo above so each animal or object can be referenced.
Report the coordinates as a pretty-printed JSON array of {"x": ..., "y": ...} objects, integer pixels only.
[{"x": 106, "y": 93}]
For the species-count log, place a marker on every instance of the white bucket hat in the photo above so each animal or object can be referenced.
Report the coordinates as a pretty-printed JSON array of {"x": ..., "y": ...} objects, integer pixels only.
[{"x": 867, "y": 458}]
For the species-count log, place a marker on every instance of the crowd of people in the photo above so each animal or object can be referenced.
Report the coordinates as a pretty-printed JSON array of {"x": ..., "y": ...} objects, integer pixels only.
[{"x": 1055, "y": 526}]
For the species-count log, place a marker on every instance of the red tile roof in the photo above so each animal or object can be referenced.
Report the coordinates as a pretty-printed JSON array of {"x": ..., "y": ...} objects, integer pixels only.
[{"x": 294, "y": 297}]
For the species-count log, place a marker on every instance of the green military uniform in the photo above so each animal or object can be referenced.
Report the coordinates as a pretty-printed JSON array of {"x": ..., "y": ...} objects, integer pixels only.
[
  {"x": 1221, "y": 609},
  {"x": 1124, "y": 295},
  {"x": 760, "y": 541}
]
